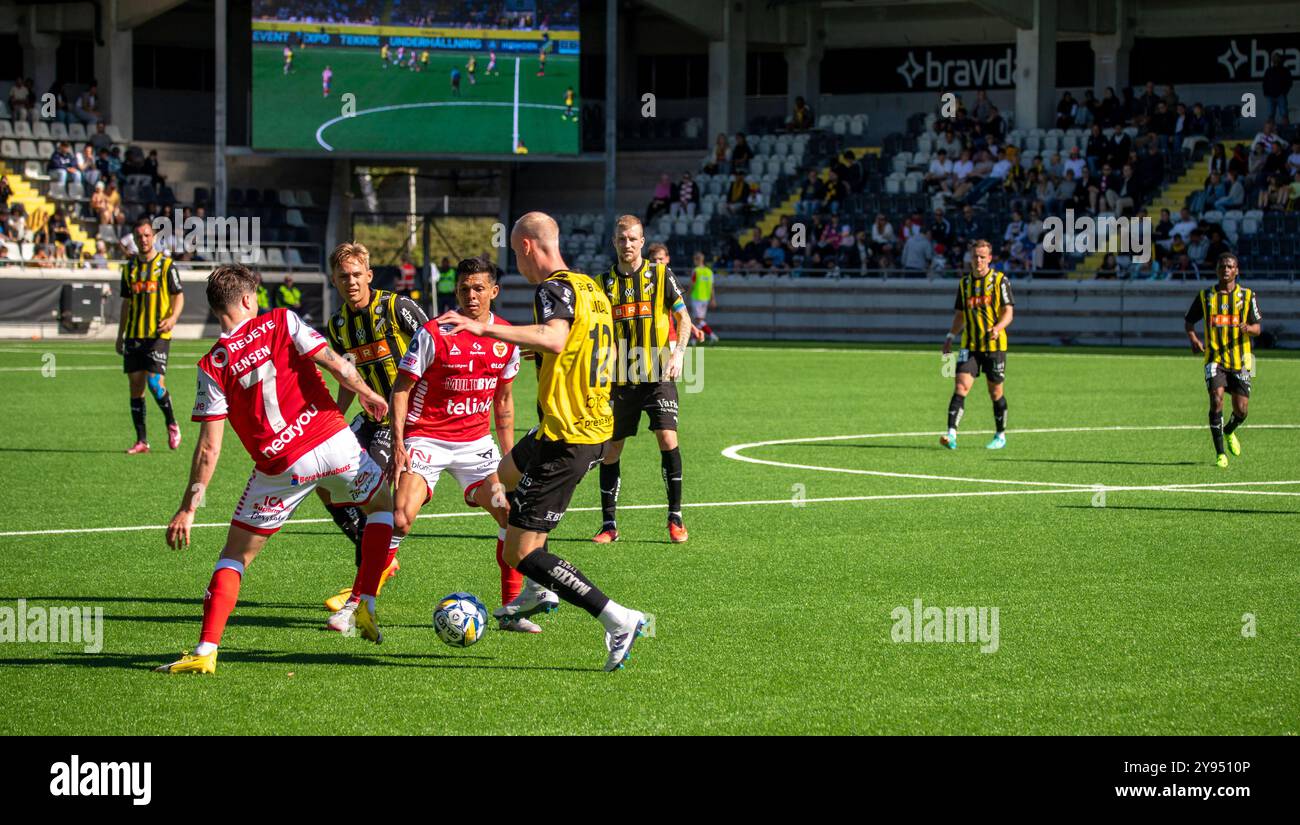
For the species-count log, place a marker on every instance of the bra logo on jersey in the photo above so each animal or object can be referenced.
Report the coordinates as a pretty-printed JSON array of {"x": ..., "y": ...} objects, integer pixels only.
[
  {"x": 979, "y": 301},
  {"x": 1223, "y": 320},
  {"x": 500, "y": 348},
  {"x": 144, "y": 286},
  {"x": 641, "y": 309},
  {"x": 469, "y": 406},
  {"x": 367, "y": 353},
  {"x": 290, "y": 432}
]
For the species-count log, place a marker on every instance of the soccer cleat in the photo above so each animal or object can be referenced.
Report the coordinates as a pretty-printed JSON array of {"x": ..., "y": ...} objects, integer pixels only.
[
  {"x": 677, "y": 532},
  {"x": 533, "y": 599},
  {"x": 1221, "y": 461},
  {"x": 619, "y": 642},
  {"x": 365, "y": 624},
  {"x": 138, "y": 447},
  {"x": 343, "y": 621},
  {"x": 607, "y": 535},
  {"x": 191, "y": 663},
  {"x": 389, "y": 572},
  {"x": 999, "y": 441},
  {"x": 949, "y": 441},
  {"x": 520, "y": 625},
  {"x": 336, "y": 602},
  {"x": 1234, "y": 446},
  {"x": 173, "y": 436}
]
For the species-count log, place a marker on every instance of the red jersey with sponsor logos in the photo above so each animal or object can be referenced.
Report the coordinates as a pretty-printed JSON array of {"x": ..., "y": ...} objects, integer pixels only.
[
  {"x": 260, "y": 375},
  {"x": 457, "y": 375}
]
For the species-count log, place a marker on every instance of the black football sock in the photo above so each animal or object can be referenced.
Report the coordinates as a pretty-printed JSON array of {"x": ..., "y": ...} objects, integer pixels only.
[
  {"x": 554, "y": 573},
  {"x": 351, "y": 522},
  {"x": 165, "y": 404},
  {"x": 609, "y": 484},
  {"x": 1234, "y": 423},
  {"x": 671, "y": 461},
  {"x": 956, "y": 408},
  {"x": 137, "y": 418},
  {"x": 1216, "y": 431},
  {"x": 1000, "y": 414}
]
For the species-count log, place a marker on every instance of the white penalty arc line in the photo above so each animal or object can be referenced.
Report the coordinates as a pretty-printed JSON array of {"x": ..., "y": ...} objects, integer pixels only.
[{"x": 426, "y": 105}]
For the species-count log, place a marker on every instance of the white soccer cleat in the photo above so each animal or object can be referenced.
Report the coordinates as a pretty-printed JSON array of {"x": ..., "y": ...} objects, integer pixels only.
[
  {"x": 619, "y": 641},
  {"x": 533, "y": 599},
  {"x": 345, "y": 620},
  {"x": 520, "y": 625}
]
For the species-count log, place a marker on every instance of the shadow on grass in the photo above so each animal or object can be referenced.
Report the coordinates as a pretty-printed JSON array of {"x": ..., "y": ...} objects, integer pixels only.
[
  {"x": 927, "y": 447},
  {"x": 193, "y": 601},
  {"x": 1095, "y": 461},
  {"x": 56, "y": 450},
  {"x": 1180, "y": 509},
  {"x": 137, "y": 662}
]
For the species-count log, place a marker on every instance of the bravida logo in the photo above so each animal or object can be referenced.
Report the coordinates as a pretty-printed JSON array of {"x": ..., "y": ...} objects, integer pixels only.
[
  {"x": 936, "y": 74},
  {"x": 1257, "y": 60},
  {"x": 77, "y": 778}
]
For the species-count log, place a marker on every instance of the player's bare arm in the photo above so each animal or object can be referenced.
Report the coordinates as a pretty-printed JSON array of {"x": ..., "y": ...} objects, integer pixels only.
[
  {"x": 684, "y": 329},
  {"x": 401, "y": 399},
  {"x": 1197, "y": 346},
  {"x": 958, "y": 321},
  {"x": 1004, "y": 321},
  {"x": 503, "y": 415},
  {"x": 169, "y": 323},
  {"x": 548, "y": 337},
  {"x": 121, "y": 325},
  {"x": 346, "y": 374},
  {"x": 206, "y": 453}
]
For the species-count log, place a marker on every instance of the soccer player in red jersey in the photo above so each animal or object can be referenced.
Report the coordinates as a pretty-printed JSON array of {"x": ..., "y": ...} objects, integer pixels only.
[{"x": 261, "y": 375}]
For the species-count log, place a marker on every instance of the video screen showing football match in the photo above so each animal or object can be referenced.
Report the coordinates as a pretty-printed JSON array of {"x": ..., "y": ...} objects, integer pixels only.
[{"x": 424, "y": 77}]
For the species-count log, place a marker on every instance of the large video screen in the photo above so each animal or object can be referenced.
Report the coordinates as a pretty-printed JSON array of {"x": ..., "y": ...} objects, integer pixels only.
[{"x": 416, "y": 76}]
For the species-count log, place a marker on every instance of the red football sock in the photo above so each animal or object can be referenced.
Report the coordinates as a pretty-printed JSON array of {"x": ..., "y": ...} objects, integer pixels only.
[
  {"x": 512, "y": 581},
  {"x": 706, "y": 329},
  {"x": 219, "y": 601},
  {"x": 376, "y": 553}
]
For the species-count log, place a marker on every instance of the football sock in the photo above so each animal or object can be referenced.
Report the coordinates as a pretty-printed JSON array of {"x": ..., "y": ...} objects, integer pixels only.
[
  {"x": 512, "y": 581},
  {"x": 1234, "y": 423},
  {"x": 376, "y": 554},
  {"x": 554, "y": 573},
  {"x": 351, "y": 522},
  {"x": 613, "y": 615},
  {"x": 956, "y": 408},
  {"x": 137, "y": 418},
  {"x": 165, "y": 404},
  {"x": 219, "y": 601},
  {"x": 1216, "y": 431},
  {"x": 609, "y": 486},
  {"x": 1000, "y": 414},
  {"x": 706, "y": 329},
  {"x": 671, "y": 461}
]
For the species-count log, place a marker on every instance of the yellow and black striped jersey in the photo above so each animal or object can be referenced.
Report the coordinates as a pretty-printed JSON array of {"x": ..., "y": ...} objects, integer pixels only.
[
  {"x": 642, "y": 303},
  {"x": 573, "y": 386},
  {"x": 568, "y": 97},
  {"x": 376, "y": 337},
  {"x": 981, "y": 300},
  {"x": 1226, "y": 343},
  {"x": 150, "y": 285}
]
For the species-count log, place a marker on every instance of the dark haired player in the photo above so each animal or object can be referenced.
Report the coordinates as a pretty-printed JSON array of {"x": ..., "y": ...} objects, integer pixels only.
[
  {"x": 1231, "y": 316},
  {"x": 983, "y": 313}
]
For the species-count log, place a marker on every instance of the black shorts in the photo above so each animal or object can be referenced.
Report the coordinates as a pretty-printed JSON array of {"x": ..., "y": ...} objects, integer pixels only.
[
  {"x": 550, "y": 475},
  {"x": 146, "y": 355},
  {"x": 1236, "y": 382},
  {"x": 992, "y": 364},
  {"x": 657, "y": 399},
  {"x": 374, "y": 439}
]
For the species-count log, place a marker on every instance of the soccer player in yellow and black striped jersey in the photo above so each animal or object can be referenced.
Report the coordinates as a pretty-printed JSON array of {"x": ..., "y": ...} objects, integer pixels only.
[
  {"x": 573, "y": 330},
  {"x": 568, "y": 105},
  {"x": 982, "y": 312},
  {"x": 1231, "y": 316},
  {"x": 151, "y": 305},
  {"x": 645, "y": 298},
  {"x": 372, "y": 329}
]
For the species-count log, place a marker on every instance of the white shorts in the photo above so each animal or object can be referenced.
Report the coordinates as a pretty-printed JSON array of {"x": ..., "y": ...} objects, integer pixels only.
[
  {"x": 699, "y": 310},
  {"x": 346, "y": 471},
  {"x": 469, "y": 462}
]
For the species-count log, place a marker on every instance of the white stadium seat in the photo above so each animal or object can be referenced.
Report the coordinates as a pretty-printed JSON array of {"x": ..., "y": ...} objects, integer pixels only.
[
  {"x": 41, "y": 130},
  {"x": 77, "y": 131}
]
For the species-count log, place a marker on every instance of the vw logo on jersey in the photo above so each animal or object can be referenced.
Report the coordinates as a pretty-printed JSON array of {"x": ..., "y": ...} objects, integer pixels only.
[{"x": 629, "y": 294}]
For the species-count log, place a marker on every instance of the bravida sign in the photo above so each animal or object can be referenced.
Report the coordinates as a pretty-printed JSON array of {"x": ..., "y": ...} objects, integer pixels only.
[
  {"x": 1224, "y": 59},
  {"x": 943, "y": 68}
]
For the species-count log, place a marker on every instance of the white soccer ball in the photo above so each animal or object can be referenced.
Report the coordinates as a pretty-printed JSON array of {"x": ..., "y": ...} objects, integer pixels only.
[{"x": 460, "y": 619}]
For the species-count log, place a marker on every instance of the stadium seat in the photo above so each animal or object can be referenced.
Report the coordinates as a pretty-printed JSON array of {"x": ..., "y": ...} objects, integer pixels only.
[
  {"x": 294, "y": 218},
  {"x": 77, "y": 131},
  {"x": 841, "y": 125},
  {"x": 304, "y": 199},
  {"x": 681, "y": 227},
  {"x": 1016, "y": 137},
  {"x": 58, "y": 131},
  {"x": 894, "y": 183},
  {"x": 45, "y": 148},
  {"x": 22, "y": 129},
  {"x": 1249, "y": 227},
  {"x": 6, "y": 129},
  {"x": 700, "y": 226},
  {"x": 791, "y": 167},
  {"x": 1032, "y": 142},
  {"x": 1212, "y": 216},
  {"x": 921, "y": 160},
  {"x": 1052, "y": 143},
  {"x": 925, "y": 143},
  {"x": 1230, "y": 228},
  {"x": 274, "y": 257},
  {"x": 41, "y": 130},
  {"x": 58, "y": 191},
  {"x": 9, "y": 148},
  {"x": 707, "y": 207},
  {"x": 27, "y": 149},
  {"x": 287, "y": 199},
  {"x": 825, "y": 122},
  {"x": 911, "y": 185},
  {"x": 664, "y": 227},
  {"x": 1234, "y": 214},
  {"x": 4, "y": 110},
  {"x": 857, "y": 126},
  {"x": 76, "y": 191},
  {"x": 34, "y": 170},
  {"x": 114, "y": 133},
  {"x": 1069, "y": 142}
]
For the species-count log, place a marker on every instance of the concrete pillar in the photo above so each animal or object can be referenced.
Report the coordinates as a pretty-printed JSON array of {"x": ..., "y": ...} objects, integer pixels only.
[
  {"x": 727, "y": 74},
  {"x": 113, "y": 70},
  {"x": 40, "y": 55},
  {"x": 804, "y": 62},
  {"x": 1036, "y": 69},
  {"x": 1110, "y": 54}
]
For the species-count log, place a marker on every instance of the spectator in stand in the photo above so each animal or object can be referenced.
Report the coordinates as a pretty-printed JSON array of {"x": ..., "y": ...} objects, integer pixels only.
[
  {"x": 87, "y": 108},
  {"x": 949, "y": 142},
  {"x": 1277, "y": 86},
  {"x": 100, "y": 259},
  {"x": 1162, "y": 126},
  {"x": 659, "y": 199},
  {"x": 685, "y": 197},
  {"x": 1109, "y": 269},
  {"x": 1163, "y": 231},
  {"x": 755, "y": 202},
  {"x": 1055, "y": 167},
  {"x": 1217, "y": 162},
  {"x": 1045, "y": 193},
  {"x": 941, "y": 229},
  {"x": 1086, "y": 113},
  {"x": 1075, "y": 163},
  {"x": 940, "y": 170},
  {"x": 811, "y": 192},
  {"x": 1214, "y": 189},
  {"x": 62, "y": 165},
  {"x": 855, "y": 255},
  {"x": 1236, "y": 195},
  {"x": 982, "y": 108},
  {"x": 914, "y": 225},
  {"x": 1045, "y": 264},
  {"x": 995, "y": 128},
  {"x": 751, "y": 257},
  {"x": 716, "y": 163},
  {"x": 918, "y": 252},
  {"x": 852, "y": 171},
  {"x": 782, "y": 230},
  {"x": 100, "y": 139},
  {"x": 1097, "y": 151},
  {"x": 835, "y": 193},
  {"x": 1240, "y": 160},
  {"x": 1293, "y": 161},
  {"x": 996, "y": 176},
  {"x": 99, "y": 204},
  {"x": 16, "y": 225},
  {"x": 1065, "y": 111},
  {"x": 62, "y": 112},
  {"x": 1151, "y": 169},
  {"x": 1185, "y": 269},
  {"x": 1274, "y": 165},
  {"x": 1197, "y": 246},
  {"x": 1183, "y": 229},
  {"x": 150, "y": 168},
  {"x": 1118, "y": 146},
  {"x": 1110, "y": 111},
  {"x": 1276, "y": 197},
  {"x": 1265, "y": 138},
  {"x": 737, "y": 193},
  {"x": 801, "y": 120},
  {"x": 87, "y": 166},
  {"x": 741, "y": 154},
  {"x": 1015, "y": 230},
  {"x": 1065, "y": 190},
  {"x": 1217, "y": 247},
  {"x": 774, "y": 257},
  {"x": 884, "y": 241},
  {"x": 6, "y": 192},
  {"x": 21, "y": 100}
]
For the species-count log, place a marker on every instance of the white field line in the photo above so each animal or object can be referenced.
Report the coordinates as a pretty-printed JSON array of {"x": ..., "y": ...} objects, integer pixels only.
[
  {"x": 514, "y": 140},
  {"x": 426, "y": 105}
]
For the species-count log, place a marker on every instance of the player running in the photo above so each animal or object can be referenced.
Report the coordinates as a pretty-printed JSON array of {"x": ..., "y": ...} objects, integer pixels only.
[
  {"x": 645, "y": 300},
  {"x": 703, "y": 298},
  {"x": 261, "y": 375},
  {"x": 152, "y": 301},
  {"x": 470, "y": 68},
  {"x": 541, "y": 62},
  {"x": 573, "y": 332},
  {"x": 568, "y": 106},
  {"x": 1231, "y": 315},
  {"x": 288, "y": 60},
  {"x": 983, "y": 312},
  {"x": 492, "y": 64},
  {"x": 383, "y": 56},
  {"x": 325, "y": 77},
  {"x": 446, "y": 385},
  {"x": 371, "y": 329},
  {"x": 455, "y": 82},
  {"x": 424, "y": 60}
]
